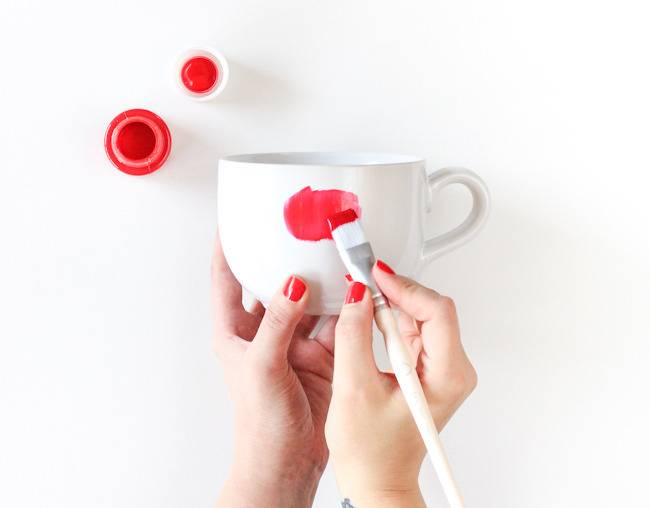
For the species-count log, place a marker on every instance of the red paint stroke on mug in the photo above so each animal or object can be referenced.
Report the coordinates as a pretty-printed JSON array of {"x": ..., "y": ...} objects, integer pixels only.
[{"x": 307, "y": 211}]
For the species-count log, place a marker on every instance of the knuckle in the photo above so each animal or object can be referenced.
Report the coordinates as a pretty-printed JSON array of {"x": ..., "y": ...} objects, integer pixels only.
[
  {"x": 447, "y": 306},
  {"x": 410, "y": 287},
  {"x": 277, "y": 317},
  {"x": 350, "y": 395},
  {"x": 444, "y": 308},
  {"x": 419, "y": 299},
  {"x": 461, "y": 384},
  {"x": 472, "y": 380}
]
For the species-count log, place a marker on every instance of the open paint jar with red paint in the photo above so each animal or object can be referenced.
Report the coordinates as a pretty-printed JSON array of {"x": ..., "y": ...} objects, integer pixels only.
[
  {"x": 201, "y": 73},
  {"x": 137, "y": 142}
]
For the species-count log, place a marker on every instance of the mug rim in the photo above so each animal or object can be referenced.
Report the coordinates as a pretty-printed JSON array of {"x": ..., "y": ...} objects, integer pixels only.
[{"x": 324, "y": 158}]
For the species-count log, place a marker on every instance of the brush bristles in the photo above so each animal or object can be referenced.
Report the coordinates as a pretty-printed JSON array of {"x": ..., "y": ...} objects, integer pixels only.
[
  {"x": 340, "y": 218},
  {"x": 349, "y": 235}
]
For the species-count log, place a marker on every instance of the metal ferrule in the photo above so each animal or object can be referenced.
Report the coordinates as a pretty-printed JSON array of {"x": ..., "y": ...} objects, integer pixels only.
[
  {"x": 380, "y": 302},
  {"x": 359, "y": 261}
]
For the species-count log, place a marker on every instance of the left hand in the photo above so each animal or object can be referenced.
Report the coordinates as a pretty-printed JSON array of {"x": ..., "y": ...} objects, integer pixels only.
[{"x": 281, "y": 385}]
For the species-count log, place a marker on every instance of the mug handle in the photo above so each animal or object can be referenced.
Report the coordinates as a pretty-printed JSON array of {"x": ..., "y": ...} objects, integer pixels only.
[{"x": 475, "y": 220}]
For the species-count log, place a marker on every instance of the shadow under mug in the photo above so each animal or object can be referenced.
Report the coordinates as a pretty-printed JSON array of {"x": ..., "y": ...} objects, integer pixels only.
[{"x": 393, "y": 194}]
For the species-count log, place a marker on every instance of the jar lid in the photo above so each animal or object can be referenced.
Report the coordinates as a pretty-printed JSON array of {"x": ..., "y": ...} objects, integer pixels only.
[{"x": 137, "y": 142}]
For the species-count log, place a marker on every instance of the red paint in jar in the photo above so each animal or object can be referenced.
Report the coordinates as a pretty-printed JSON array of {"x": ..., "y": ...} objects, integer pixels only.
[
  {"x": 136, "y": 140},
  {"x": 199, "y": 74}
]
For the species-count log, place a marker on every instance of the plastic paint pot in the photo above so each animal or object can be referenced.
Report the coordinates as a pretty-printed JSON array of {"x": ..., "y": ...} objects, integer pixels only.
[
  {"x": 137, "y": 142},
  {"x": 201, "y": 73}
]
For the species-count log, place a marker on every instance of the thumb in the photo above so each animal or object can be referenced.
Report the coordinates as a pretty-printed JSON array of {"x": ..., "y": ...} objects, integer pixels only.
[{"x": 354, "y": 363}]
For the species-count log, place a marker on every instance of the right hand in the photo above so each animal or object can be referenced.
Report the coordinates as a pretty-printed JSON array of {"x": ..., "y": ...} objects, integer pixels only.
[{"x": 374, "y": 443}]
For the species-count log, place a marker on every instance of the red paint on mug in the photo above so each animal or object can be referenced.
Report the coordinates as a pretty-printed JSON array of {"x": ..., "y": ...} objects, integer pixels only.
[
  {"x": 306, "y": 213},
  {"x": 340, "y": 218},
  {"x": 199, "y": 74}
]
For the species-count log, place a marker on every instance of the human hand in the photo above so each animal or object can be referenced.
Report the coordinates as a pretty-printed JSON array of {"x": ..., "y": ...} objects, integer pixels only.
[
  {"x": 280, "y": 383},
  {"x": 376, "y": 448}
]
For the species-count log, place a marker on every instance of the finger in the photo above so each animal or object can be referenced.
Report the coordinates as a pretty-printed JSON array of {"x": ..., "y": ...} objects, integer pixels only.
[
  {"x": 226, "y": 290},
  {"x": 409, "y": 330},
  {"x": 441, "y": 335},
  {"x": 354, "y": 363},
  {"x": 414, "y": 299},
  {"x": 434, "y": 314},
  {"x": 280, "y": 320},
  {"x": 419, "y": 302},
  {"x": 408, "y": 327},
  {"x": 305, "y": 325}
]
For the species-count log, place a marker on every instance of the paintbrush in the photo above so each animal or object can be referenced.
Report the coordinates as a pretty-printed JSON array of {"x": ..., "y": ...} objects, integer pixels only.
[{"x": 357, "y": 255}]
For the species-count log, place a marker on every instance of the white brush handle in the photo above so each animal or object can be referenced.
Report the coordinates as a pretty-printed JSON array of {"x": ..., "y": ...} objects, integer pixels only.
[{"x": 409, "y": 382}]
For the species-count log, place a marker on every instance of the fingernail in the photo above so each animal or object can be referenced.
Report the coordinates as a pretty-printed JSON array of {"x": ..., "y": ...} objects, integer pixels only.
[
  {"x": 294, "y": 289},
  {"x": 348, "y": 277},
  {"x": 355, "y": 292},
  {"x": 384, "y": 267}
]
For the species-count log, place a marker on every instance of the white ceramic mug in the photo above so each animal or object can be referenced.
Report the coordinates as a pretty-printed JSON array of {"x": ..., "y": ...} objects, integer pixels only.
[{"x": 393, "y": 194}]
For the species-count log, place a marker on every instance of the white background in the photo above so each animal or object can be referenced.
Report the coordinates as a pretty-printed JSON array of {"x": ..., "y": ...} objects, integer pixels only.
[{"x": 109, "y": 393}]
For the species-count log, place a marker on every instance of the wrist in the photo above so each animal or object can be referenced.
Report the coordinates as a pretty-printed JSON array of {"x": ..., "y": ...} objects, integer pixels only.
[
  {"x": 371, "y": 490},
  {"x": 385, "y": 484},
  {"x": 411, "y": 498},
  {"x": 239, "y": 492},
  {"x": 273, "y": 485}
]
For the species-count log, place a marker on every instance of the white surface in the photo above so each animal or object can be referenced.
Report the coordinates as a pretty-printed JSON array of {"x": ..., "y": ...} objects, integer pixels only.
[{"x": 109, "y": 394}]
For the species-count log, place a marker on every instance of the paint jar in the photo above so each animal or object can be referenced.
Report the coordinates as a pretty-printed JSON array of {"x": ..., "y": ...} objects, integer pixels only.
[
  {"x": 137, "y": 142},
  {"x": 201, "y": 73}
]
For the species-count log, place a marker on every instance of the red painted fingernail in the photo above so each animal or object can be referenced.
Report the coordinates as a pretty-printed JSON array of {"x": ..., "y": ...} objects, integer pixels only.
[
  {"x": 355, "y": 292},
  {"x": 348, "y": 277},
  {"x": 384, "y": 267},
  {"x": 294, "y": 289}
]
